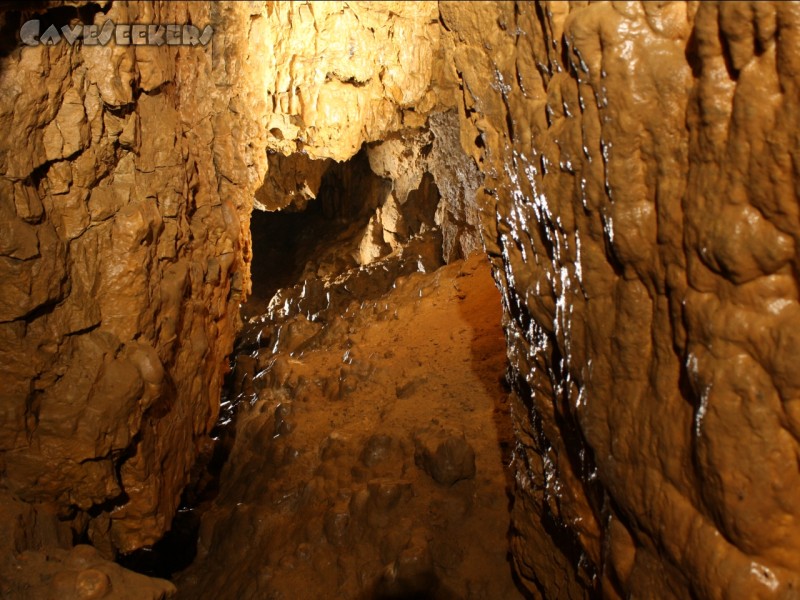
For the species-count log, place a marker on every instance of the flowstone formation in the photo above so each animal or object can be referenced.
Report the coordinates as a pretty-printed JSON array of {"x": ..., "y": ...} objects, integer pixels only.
[
  {"x": 641, "y": 158},
  {"x": 630, "y": 167}
]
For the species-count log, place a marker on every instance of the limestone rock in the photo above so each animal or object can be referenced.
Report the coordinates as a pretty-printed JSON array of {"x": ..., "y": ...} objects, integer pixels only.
[
  {"x": 640, "y": 212},
  {"x": 109, "y": 208},
  {"x": 444, "y": 455},
  {"x": 629, "y": 167}
]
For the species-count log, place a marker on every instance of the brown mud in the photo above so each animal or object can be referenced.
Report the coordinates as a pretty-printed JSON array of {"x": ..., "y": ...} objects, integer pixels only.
[{"x": 372, "y": 458}]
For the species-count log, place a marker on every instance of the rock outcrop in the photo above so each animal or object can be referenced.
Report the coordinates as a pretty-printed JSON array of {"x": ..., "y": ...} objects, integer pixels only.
[
  {"x": 124, "y": 245},
  {"x": 128, "y": 175},
  {"x": 640, "y": 159}
]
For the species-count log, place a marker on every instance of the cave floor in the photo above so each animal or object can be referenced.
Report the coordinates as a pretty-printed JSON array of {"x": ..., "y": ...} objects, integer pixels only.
[{"x": 351, "y": 473}]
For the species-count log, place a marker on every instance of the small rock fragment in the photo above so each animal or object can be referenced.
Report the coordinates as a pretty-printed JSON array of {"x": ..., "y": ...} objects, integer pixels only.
[
  {"x": 444, "y": 455},
  {"x": 377, "y": 449}
]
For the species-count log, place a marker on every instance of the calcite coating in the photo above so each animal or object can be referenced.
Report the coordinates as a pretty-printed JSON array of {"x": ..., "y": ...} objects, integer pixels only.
[
  {"x": 635, "y": 180},
  {"x": 640, "y": 159}
]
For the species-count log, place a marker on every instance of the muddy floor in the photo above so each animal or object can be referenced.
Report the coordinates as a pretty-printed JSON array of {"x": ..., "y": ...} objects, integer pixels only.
[{"x": 370, "y": 454}]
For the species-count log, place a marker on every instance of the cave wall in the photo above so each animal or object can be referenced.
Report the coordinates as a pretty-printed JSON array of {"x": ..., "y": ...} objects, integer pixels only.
[
  {"x": 128, "y": 176},
  {"x": 123, "y": 245},
  {"x": 642, "y": 159},
  {"x": 638, "y": 203}
]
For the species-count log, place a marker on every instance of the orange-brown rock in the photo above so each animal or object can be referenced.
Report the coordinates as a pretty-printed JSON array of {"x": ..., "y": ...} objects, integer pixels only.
[
  {"x": 639, "y": 155},
  {"x": 123, "y": 252},
  {"x": 635, "y": 182},
  {"x": 128, "y": 176},
  {"x": 366, "y": 458}
]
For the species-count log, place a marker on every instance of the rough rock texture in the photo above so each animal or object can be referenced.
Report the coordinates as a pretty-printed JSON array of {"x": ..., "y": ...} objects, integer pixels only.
[
  {"x": 639, "y": 203},
  {"x": 415, "y": 162},
  {"x": 123, "y": 252},
  {"x": 370, "y": 457},
  {"x": 127, "y": 178},
  {"x": 124, "y": 244},
  {"x": 336, "y": 74},
  {"x": 642, "y": 160}
]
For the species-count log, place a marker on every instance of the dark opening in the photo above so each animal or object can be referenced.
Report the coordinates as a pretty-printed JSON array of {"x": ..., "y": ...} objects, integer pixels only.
[
  {"x": 288, "y": 246},
  {"x": 292, "y": 245}
]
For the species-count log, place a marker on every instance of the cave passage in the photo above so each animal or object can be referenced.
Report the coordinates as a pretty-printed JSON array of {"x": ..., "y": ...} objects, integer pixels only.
[
  {"x": 627, "y": 169},
  {"x": 278, "y": 238},
  {"x": 370, "y": 449},
  {"x": 311, "y": 240}
]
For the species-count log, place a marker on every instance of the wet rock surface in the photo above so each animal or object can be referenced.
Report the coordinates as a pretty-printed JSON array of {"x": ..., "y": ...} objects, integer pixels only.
[
  {"x": 635, "y": 185},
  {"x": 370, "y": 455},
  {"x": 127, "y": 179},
  {"x": 637, "y": 155}
]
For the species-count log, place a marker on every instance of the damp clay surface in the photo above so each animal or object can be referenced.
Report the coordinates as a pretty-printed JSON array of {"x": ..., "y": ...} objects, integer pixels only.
[{"x": 371, "y": 456}]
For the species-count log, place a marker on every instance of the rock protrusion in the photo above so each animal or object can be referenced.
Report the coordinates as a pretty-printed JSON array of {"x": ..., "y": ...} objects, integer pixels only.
[{"x": 445, "y": 455}]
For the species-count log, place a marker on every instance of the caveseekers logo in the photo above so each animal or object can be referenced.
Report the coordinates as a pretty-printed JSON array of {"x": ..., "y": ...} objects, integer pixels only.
[{"x": 123, "y": 34}]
